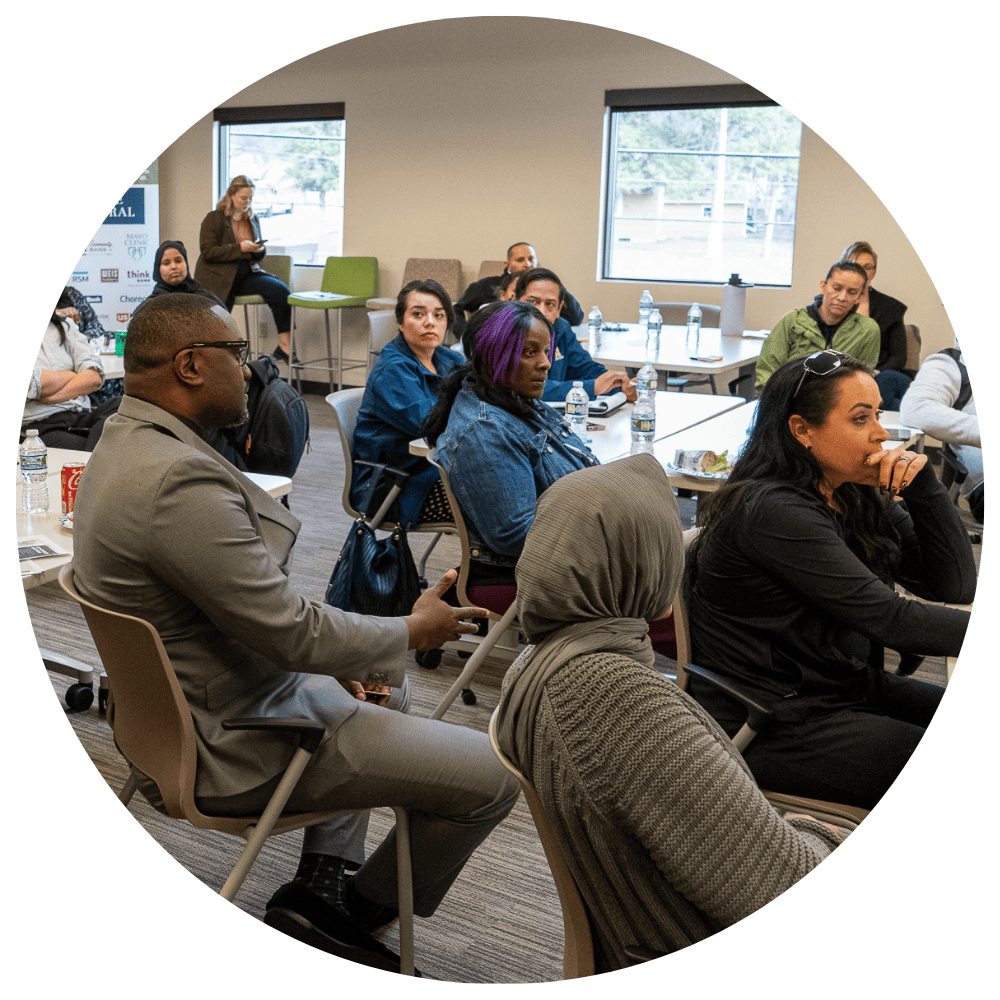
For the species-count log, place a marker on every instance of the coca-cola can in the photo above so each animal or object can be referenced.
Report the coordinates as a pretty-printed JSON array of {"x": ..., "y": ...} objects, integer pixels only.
[{"x": 70, "y": 479}]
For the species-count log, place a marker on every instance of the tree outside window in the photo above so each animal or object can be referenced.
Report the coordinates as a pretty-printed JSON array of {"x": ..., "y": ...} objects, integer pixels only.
[
  {"x": 696, "y": 194},
  {"x": 298, "y": 171}
]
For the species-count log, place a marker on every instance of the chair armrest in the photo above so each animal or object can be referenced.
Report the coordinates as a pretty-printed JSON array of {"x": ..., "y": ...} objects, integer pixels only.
[
  {"x": 309, "y": 731},
  {"x": 397, "y": 477},
  {"x": 758, "y": 714}
]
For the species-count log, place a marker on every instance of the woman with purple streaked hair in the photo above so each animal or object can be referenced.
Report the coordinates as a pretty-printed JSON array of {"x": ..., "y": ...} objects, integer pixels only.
[{"x": 501, "y": 446}]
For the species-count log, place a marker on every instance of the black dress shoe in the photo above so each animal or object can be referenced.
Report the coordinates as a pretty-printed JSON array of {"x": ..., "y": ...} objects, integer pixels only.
[
  {"x": 300, "y": 913},
  {"x": 280, "y": 354}
]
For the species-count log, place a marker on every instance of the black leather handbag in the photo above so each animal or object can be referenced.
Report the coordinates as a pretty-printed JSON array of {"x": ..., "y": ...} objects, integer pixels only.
[{"x": 374, "y": 576}]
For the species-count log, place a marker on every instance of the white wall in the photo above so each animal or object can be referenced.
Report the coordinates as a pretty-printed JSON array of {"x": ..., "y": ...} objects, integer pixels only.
[{"x": 465, "y": 135}]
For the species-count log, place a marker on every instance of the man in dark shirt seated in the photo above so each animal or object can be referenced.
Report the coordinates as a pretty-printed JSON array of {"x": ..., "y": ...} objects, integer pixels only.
[
  {"x": 543, "y": 289},
  {"x": 520, "y": 257}
]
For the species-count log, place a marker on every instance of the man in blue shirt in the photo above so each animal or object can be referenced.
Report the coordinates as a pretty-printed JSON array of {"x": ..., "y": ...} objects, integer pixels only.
[{"x": 571, "y": 362}]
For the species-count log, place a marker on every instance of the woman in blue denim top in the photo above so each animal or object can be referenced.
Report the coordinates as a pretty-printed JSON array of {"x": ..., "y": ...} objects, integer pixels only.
[
  {"x": 399, "y": 393},
  {"x": 501, "y": 446}
]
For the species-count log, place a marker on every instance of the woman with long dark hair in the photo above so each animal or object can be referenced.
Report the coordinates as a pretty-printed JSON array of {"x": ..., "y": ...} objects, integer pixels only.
[
  {"x": 790, "y": 585},
  {"x": 231, "y": 252},
  {"x": 501, "y": 446}
]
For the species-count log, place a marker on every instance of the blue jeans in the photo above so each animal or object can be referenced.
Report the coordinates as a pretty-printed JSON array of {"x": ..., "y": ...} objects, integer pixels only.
[
  {"x": 893, "y": 386},
  {"x": 271, "y": 289}
]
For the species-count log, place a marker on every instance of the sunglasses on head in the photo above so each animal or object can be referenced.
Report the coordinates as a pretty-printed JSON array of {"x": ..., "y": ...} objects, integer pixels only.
[{"x": 820, "y": 363}]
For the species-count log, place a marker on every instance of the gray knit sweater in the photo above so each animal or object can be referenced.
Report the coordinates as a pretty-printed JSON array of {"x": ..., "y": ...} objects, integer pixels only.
[{"x": 665, "y": 832}]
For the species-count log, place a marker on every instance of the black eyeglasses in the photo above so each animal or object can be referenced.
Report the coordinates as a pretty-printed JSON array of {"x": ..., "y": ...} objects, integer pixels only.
[
  {"x": 820, "y": 363},
  {"x": 241, "y": 348}
]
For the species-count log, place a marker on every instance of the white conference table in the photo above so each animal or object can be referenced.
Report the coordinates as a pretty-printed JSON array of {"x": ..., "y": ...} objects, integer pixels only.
[
  {"x": 113, "y": 364},
  {"x": 675, "y": 412},
  {"x": 36, "y": 572},
  {"x": 728, "y": 431},
  {"x": 628, "y": 348}
]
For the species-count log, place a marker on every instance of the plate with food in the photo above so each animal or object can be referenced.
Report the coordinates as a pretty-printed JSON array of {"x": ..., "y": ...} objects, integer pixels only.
[{"x": 701, "y": 464}]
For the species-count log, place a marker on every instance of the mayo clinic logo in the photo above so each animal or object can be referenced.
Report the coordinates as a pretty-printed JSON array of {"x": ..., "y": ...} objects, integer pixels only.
[
  {"x": 109, "y": 274},
  {"x": 79, "y": 276},
  {"x": 130, "y": 211}
]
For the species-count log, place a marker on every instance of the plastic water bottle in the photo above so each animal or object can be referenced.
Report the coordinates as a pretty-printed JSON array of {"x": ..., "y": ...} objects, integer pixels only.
[
  {"x": 643, "y": 426},
  {"x": 653, "y": 327},
  {"x": 693, "y": 330},
  {"x": 594, "y": 321},
  {"x": 34, "y": 472},
  {"x": 646, "y": 382},
  {"x": 645, "y": 304},
  {"x": 577, "y": 408}
]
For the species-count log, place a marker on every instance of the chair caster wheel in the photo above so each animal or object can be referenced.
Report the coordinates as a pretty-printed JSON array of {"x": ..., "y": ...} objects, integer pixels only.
[
  {"x": 79, "y": 697},
  {"x": 430, "y": 659},
  {"x": 468, "y": 696}
]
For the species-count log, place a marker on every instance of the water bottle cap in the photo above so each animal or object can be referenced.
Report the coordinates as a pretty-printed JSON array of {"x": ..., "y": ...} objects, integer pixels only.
[{"x": 575, "y": 384}]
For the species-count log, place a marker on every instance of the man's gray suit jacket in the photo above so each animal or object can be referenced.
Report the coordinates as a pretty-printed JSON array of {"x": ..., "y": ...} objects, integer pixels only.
[{"x": 166, "y": 530}]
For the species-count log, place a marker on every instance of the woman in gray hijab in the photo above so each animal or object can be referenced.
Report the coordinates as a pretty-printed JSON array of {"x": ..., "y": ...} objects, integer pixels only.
[{"x": 666, "y": 834}]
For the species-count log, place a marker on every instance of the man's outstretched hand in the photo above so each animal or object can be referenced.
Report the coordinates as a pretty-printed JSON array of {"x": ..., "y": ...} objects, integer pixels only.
[{"x": 433, "y": 622}]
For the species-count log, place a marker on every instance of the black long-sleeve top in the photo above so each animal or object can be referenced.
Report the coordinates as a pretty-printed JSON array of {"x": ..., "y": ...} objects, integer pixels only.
[
  {"x": 779, "y": 604},
  {"x": 888, "y": 313}
]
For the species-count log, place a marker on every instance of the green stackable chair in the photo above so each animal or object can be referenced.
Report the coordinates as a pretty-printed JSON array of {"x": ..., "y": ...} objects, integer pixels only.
[{"x": 348, "y": 282}]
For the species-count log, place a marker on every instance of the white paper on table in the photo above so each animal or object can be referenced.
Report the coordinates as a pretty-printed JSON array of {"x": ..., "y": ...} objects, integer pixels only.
[{"x": 38, "y": 547}]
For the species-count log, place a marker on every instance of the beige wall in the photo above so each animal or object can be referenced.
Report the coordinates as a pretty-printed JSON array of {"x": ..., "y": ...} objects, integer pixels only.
[{"x": 463, "y": 140}]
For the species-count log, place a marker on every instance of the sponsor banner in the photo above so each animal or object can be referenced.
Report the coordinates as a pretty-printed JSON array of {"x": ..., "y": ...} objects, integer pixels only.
[{"x": 115, "y": 272}]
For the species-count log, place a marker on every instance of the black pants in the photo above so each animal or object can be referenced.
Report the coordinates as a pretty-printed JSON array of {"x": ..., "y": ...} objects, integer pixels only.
[
  {"x": 77, "y": 430},
  {"x": 851, "y": 755}
]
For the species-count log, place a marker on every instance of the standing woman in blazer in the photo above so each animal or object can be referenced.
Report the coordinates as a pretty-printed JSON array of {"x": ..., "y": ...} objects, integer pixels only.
[{"x": 231, "y": 251}]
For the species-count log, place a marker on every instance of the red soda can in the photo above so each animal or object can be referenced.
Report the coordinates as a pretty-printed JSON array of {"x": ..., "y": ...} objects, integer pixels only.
[{"x": 70, "y": 479}]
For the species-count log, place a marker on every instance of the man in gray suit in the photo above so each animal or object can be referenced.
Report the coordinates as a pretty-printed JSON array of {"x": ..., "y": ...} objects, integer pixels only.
[{"x": 170, "y": 532}]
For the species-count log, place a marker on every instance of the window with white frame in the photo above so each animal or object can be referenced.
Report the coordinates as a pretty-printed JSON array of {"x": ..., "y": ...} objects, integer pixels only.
[
  {"x": 701, "y": 183},
  {"x": 295, "y": 156}
]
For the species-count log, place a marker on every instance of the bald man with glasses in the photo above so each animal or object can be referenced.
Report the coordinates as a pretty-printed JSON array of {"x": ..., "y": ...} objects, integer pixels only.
[{"x": 168, "y": 531}]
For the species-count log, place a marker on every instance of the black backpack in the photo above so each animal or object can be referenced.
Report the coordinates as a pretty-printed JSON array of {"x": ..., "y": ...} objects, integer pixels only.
[{"x": 274, "y": 436}]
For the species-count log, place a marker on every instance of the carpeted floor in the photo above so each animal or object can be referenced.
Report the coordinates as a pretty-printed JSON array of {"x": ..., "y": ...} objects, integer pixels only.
[{"x": 501, "y": 922}]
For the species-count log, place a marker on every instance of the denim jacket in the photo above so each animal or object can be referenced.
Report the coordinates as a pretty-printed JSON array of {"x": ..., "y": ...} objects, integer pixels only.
[
  {"x": 499, "y": 465},
  {"x": 399, "y": 394}
]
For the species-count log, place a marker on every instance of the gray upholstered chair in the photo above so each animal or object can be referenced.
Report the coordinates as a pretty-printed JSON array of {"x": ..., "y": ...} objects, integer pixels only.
[
  {"x": 491, "y": 268},
  {"x": 446, "y": 271}
]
